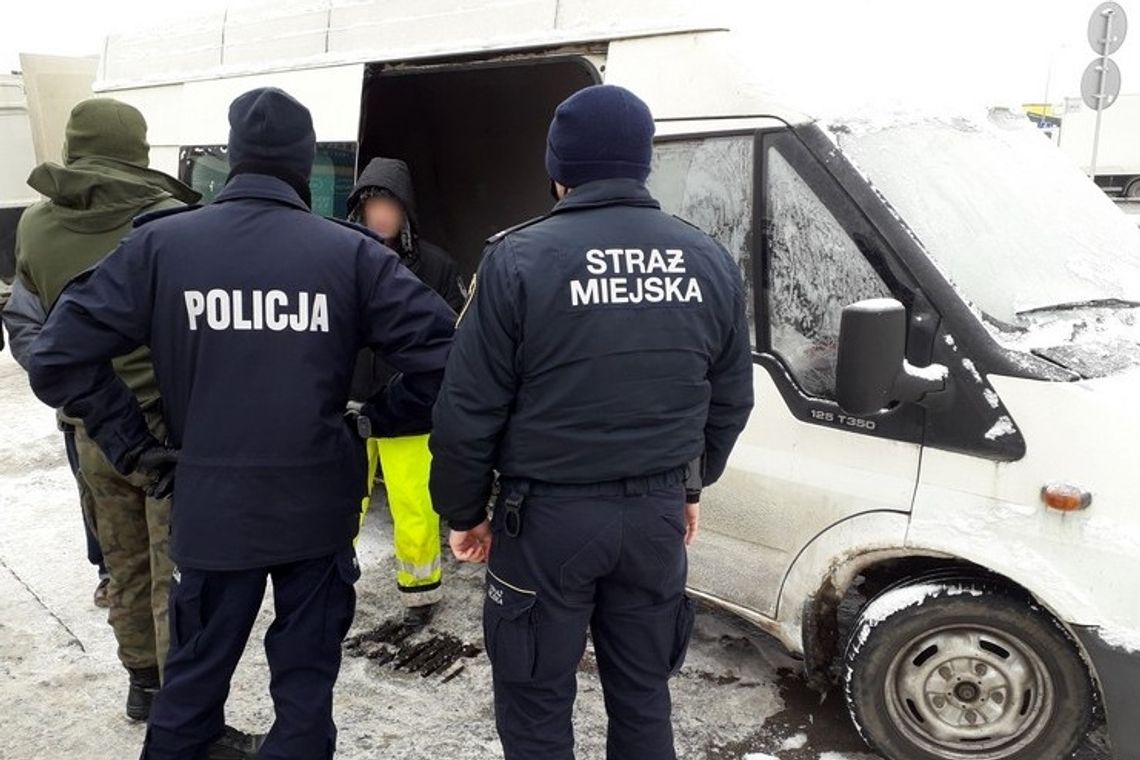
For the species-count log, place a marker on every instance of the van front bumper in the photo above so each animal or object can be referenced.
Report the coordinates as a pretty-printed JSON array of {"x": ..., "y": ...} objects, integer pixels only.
[{"x": 1119, "y": 673}]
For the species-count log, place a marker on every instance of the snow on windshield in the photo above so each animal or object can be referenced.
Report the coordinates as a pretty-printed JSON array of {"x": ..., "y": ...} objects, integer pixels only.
[{"x": 1002, "y": 212}]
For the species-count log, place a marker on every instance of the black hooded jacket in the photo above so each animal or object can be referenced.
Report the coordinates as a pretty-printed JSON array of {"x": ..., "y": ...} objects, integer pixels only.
[{"x": 427, "y": 261}]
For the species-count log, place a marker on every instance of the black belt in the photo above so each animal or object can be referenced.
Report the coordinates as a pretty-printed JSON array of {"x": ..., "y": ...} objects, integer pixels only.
[
  {"x": 625, "y": 487},
  {"x": 517, "y": 490}
]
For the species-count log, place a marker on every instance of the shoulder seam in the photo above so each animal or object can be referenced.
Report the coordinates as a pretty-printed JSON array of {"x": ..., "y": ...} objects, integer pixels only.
[
  {"x": 686, "y": 221},
  {"x": 498, "y": 236}
]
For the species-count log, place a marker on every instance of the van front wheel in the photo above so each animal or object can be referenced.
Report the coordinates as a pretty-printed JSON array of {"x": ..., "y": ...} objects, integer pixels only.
[{"x": 945, "y": 671}]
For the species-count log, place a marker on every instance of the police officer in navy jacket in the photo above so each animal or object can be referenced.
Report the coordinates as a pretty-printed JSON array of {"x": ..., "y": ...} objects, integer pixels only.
[
  {"x": 254, "y": 310},
  {"x": 602, "y": 368}
]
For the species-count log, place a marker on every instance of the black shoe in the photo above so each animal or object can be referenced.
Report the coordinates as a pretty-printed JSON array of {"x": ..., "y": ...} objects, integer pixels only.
[
  {"x": 235, "y": 745},
  {"x": 102, "y": 593},
  {"x": 419, "y": 617},
  {"x": 140, "y": 692}
]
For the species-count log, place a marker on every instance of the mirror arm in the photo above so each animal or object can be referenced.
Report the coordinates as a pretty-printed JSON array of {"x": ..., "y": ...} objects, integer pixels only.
[{"x": 913, "y": 383}]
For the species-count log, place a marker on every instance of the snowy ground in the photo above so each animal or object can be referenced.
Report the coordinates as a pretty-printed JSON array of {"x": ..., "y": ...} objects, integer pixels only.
[{"x": 61, "y": 688}]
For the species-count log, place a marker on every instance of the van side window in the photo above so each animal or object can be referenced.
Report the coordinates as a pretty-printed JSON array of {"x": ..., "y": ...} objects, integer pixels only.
[
  {"x": 815, "y": 269},
  {"x": 205, "y": 167},
  {"x": 708, "y": 182}
]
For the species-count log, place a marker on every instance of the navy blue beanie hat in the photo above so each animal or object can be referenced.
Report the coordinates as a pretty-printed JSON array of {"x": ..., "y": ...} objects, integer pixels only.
[
  {"x": 271, "y": 133},
  {"x": 601, "y": 132}
]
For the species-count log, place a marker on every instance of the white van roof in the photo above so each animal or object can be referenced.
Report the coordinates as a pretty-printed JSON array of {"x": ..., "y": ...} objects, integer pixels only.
[{"x": 289, "y": 34}]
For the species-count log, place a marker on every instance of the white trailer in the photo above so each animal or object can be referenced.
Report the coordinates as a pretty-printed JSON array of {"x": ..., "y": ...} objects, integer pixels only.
[
  {"x": 1118, "y": 155},
  {"x": 992, "y": 524}
]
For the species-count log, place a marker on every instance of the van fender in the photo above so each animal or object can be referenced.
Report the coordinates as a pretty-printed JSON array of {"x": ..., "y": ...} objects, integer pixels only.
[{"x": 821, "y": 573}]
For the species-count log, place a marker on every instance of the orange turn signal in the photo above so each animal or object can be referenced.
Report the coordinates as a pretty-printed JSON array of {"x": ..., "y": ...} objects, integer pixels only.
[{"x": 1065, "y": 497}]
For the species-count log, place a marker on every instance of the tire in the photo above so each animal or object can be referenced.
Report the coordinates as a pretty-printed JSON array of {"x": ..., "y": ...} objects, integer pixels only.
[
  {"x": 1132, "y": 189},
  {"x": 964, "y": 671}
]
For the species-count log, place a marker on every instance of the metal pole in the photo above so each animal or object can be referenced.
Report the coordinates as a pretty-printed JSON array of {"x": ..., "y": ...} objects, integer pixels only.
[{"x": 1108, "y": 14}]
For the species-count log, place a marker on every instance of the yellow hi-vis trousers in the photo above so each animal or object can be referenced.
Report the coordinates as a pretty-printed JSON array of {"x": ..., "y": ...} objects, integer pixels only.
[{"x": 406, "y": 464}]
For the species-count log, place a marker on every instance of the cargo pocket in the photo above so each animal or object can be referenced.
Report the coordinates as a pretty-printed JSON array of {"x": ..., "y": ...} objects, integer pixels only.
[
  {"x": 185, "y": 610},
  {"x": 686, "y": 618},
  {"x": 509, "y": 629}
]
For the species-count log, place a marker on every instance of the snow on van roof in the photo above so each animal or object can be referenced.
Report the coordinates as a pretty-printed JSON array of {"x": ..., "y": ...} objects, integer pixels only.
[{"x": 289, "y": 34}]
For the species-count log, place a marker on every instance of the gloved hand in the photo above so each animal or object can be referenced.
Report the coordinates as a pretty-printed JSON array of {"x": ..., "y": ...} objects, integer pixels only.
[
  {"x": 156, "y": 462},
  {"x": 357, "y": 421}
]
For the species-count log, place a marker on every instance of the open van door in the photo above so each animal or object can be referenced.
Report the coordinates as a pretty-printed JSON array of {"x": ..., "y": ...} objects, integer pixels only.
[
  {"x": 473, "y": 134},
  {"x": 34, "y": 109},
  {"x": 54, "y": 85}
]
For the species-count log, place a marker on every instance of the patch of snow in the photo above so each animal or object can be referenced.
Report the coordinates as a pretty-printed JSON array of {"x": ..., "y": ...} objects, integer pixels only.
[
  {"x": 992, "y": 398},
  {"x": 1121, "y": 638},
  {"x": 973, "y": 370},
  {"x": 893, "y": 602},
  {"x": 799, "y": 741},
  {"x": 1110, "y": 532},
  {"x": 759, "y": 756},
  {"x": 1095, "y": 341},
  {"x": 1003, "y": 427},
  {"x": 948, "y": 339},
  {"x": 932, "y": 373}
]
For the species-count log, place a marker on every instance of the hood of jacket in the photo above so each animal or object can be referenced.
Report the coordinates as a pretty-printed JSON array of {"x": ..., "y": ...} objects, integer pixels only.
[
  {"x": 389, "y": 174},
  {"x": 95, "y": 194}
]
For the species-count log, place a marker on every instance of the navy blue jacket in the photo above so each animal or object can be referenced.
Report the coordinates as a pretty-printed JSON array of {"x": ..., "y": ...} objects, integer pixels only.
[
  {"x": 605, "y": 341},
  {"x": 254, "y": 310}
]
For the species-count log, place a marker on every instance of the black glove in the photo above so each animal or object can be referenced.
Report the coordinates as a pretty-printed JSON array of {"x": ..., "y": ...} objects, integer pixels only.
[
  {"x": 694, "y": 480},
  {"x": 358, "y": 422},
  {"x": 156, "y": 462}
]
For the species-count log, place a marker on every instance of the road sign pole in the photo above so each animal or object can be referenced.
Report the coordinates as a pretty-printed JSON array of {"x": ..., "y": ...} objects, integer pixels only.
[
  {"x": 1100, "y": 84},
  {"x": 1100, "y": 95}
]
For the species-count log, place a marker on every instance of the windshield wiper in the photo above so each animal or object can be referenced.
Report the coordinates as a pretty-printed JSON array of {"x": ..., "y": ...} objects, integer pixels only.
[{"x": 1096, "y": 303}]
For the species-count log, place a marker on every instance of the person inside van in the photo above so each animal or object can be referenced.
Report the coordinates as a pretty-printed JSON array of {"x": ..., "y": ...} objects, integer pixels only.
[{"x": 383, "y": 200}]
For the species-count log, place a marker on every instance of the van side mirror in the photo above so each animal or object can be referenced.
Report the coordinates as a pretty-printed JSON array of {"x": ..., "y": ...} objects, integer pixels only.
[{"x": 872, "y": 372}]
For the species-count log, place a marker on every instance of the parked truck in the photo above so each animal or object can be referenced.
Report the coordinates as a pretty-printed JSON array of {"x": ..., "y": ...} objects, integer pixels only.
[{"x": 1118, "y": 153}]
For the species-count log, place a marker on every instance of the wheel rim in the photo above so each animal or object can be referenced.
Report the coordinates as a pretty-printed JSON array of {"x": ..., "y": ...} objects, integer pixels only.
[{"x": 969, "y": 692}]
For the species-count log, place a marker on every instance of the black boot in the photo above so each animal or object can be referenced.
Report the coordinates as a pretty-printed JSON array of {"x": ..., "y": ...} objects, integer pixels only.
[
  {"x": 235, "y": 745},
  {"x": 140, "y": 692},
  {"x": 418, "y": 617}
]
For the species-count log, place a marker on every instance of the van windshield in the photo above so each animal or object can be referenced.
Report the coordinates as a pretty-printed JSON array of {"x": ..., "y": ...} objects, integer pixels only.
[{"x": 1002, "y": 212}]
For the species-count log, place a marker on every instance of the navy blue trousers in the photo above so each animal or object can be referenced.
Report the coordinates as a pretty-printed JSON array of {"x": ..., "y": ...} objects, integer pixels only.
[
  {"x": 613, "y": 564},
  {"x": 211, "y": 615}
]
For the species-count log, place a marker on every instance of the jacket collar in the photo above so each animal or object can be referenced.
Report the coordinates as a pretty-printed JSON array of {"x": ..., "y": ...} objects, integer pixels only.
[
  {"x": 607, "y": 192},
  {"x": 260, "y": 187}
]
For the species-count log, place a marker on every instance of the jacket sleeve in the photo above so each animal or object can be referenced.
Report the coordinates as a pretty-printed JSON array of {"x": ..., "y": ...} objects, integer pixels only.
[
  {"x": 411, "y": 327},
  {"x": 478, "y": 392},
  {"x": 24, "y": 317},
  {"x": 104, "y": 313},
  {"x": 730, "y": 378}
]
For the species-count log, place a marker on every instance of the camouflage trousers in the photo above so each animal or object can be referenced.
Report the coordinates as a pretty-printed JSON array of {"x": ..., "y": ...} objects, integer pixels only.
[{"x": 134, "y": 534}]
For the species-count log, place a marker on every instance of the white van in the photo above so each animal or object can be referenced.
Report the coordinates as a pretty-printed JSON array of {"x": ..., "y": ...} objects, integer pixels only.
[{"x": 957, "y": 542}]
